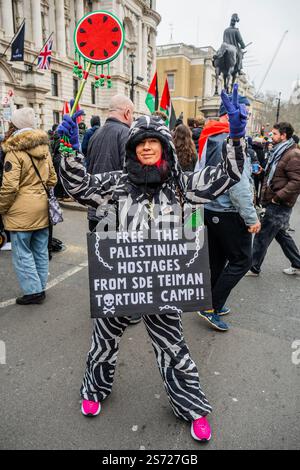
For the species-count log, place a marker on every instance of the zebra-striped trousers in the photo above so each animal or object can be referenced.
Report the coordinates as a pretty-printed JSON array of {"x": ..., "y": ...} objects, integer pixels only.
[{"x": 176, "y": 367}]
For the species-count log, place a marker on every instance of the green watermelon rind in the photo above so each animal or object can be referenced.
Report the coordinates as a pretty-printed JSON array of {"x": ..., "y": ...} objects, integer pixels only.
[{"x": 105, "y": 61}]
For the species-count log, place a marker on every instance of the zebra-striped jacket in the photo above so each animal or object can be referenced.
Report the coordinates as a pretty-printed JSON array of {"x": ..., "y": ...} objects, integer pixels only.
[{"x": 115, "y": 193}]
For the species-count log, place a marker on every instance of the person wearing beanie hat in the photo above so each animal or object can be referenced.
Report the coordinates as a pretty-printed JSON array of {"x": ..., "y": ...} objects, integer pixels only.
[
  {"x": 24, "y": 202},
  {"x": 151, "y": 191},
  {"x": 230, "y": 219},
  {"x": 24, "y": 118}
]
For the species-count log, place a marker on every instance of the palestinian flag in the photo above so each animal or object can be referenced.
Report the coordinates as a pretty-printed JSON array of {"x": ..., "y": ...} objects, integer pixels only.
[
  {"x": 66, "y": 110},
  {"x": 152, "y": 96},
  {"x": 166, "y": 106}
]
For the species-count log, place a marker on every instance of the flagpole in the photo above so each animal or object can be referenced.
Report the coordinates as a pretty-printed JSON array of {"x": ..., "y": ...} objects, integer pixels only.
[
  {"x": 80, "y": 91},
  {"x": 14, "y": 37},
  {"x": 30, "y": 65}
]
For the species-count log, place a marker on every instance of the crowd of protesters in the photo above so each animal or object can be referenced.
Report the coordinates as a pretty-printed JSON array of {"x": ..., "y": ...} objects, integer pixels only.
[{"x": 248, "y": 187}]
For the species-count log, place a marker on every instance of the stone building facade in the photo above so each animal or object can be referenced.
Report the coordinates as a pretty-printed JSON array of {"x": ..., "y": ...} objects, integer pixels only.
[
  {"x": 192, "y": 82},
  {"x": 46, "y": 91}
]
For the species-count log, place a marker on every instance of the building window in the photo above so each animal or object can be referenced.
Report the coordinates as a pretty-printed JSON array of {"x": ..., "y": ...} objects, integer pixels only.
[
  {"x": 171, "y": 81},
  {"x": 54, "y": 83},
  {"x": 75, "y": 87},
  {"x": 93, "y": 93},
  {"x": 16, "y": 15},
  {"x": 88, "y": 7},
  {"x": 56, "y": 117},
  {"x": 44, "y": 28}
]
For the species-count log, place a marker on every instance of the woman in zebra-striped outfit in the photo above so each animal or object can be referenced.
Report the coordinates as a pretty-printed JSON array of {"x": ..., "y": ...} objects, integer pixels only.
[{"x": 151, "y": 177}]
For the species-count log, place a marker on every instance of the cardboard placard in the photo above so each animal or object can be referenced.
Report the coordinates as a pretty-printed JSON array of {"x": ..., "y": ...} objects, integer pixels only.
[{"x": 131, "y": 274}]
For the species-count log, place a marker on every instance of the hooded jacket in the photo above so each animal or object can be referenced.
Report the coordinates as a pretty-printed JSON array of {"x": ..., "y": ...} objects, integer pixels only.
[
  {"x": 162, "y": 202},
  {"x": 23, "y": 199}
]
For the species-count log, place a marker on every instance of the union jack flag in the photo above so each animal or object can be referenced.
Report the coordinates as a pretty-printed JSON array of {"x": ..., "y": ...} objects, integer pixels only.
[{"x": 44, "y": 59}]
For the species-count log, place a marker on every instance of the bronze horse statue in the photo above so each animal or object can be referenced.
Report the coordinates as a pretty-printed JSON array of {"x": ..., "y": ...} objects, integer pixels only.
[
  {"x": 229, "y": 58},
  {"x": 225, "y": 62}
]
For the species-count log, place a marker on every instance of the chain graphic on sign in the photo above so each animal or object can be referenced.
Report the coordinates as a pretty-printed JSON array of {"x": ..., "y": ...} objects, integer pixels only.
[
  {"x": 198, "y": 247},
  {"x": 97, "y": 252},
  {"x": 168, "y": 307}
]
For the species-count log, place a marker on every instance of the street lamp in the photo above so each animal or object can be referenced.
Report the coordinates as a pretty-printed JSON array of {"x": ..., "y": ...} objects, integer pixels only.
[
  {"x": 278, "y": 107},
  {"x": 132, "y": 84}
]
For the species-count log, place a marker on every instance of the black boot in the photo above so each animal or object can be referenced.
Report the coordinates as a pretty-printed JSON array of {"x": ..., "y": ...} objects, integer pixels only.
[{"x": 31, "y": 299}]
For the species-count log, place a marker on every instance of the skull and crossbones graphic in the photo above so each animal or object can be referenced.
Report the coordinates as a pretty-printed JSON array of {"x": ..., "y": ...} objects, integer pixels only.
[{"x": 109, "y": 307}]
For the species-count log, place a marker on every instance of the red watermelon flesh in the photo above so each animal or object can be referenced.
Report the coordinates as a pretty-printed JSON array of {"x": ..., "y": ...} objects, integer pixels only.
[{"x": 99, "y": 37}]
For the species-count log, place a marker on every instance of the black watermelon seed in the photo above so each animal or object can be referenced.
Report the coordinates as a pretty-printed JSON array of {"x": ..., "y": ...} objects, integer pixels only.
[
  {"x": 105, "y": 18},
  {"x": 115, "y": 30},
  {"x": 92, "y": 53},
  {"x": 90, "y": 21},
  {"x": 82, "y": 44},
  {"x": 115, "y": 43},
  {"x": 82, "y": 30},
  {"x": 105, "y": 53}
]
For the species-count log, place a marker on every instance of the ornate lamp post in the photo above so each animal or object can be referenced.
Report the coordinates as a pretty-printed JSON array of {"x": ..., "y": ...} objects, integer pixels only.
[{"x": 132, "y": 84}]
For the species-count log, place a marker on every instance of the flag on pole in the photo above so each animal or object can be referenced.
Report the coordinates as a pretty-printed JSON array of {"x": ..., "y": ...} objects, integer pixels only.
[
  {"x": 152, "y": 99},
  {"x": 66, "y": 110},
  {"x": 44, "y": 58},
  {"x": 80, "y": 118},
  {"x": 18, "y": 43},
  {"x": 166, "y": 106}
]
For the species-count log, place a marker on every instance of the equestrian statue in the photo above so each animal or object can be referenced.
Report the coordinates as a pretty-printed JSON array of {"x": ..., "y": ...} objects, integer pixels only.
[{"x": 229, "y": 58}]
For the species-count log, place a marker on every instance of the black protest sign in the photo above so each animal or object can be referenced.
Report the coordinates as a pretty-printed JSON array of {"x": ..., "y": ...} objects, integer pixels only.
[{"x": 131, "y": 274}]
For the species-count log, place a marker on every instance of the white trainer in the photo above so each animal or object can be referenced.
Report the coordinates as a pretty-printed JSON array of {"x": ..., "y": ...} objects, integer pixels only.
[
  {"x": 292, "y": 271},
  {"x": 251, "y": 274}
]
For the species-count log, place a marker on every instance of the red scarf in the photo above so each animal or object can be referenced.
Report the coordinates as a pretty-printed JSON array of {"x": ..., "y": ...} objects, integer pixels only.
[
  {"x": 210, "y": 129},
  {"x": 159, "y": 163}
]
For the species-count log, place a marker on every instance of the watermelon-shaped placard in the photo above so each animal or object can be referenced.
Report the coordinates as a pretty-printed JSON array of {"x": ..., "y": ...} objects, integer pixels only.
[{"x": 99, "y": 37}]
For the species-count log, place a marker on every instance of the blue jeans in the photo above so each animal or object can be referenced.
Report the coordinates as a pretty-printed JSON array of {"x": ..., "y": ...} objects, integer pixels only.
[
  {"x": 275, "y": 225},
  {"x": 31, "y": 259}
]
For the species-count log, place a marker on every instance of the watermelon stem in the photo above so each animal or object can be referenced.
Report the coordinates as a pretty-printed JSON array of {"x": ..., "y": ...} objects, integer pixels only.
[{"x": 80, "y": 91}]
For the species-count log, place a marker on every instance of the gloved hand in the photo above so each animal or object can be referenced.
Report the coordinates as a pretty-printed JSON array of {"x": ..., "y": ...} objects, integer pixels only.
[
  {"x": 69, "y": 127},
  {"x": 237, "y": 113}
]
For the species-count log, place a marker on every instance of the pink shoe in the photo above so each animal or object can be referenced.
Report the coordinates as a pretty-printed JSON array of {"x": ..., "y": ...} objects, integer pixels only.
[
  {"x": 200, "y": 430},
  {"x": 90, "y": 408}
]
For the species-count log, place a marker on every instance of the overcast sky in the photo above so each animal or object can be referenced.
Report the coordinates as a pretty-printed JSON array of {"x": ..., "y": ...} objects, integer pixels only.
[{"x": 263, "y": 22}]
